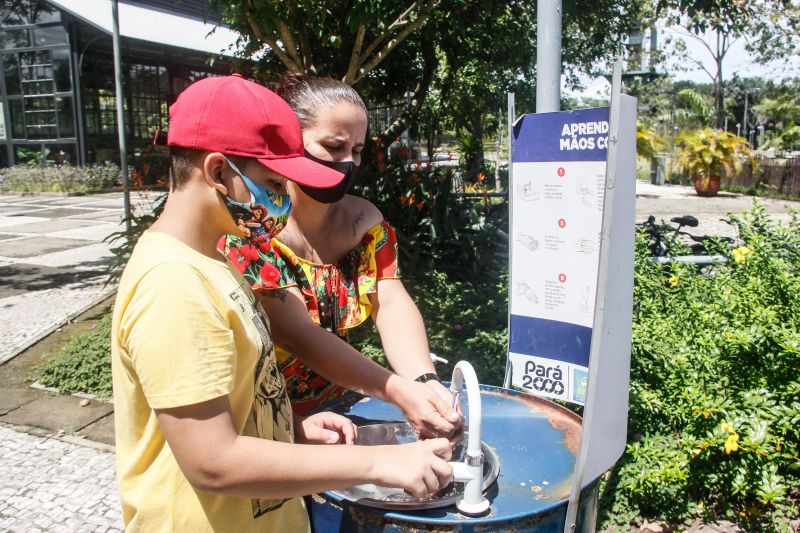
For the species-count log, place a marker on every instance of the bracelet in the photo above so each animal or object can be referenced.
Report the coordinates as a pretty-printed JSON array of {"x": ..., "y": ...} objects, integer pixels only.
[{"x": 424, "y": 378}]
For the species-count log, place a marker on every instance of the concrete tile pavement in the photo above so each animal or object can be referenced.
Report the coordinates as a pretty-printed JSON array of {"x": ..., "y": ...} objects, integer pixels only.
[
  {"x": 53, "y": 261},
  {"x": 667, "y": 201},
  {"x": 48, "y": 484}
]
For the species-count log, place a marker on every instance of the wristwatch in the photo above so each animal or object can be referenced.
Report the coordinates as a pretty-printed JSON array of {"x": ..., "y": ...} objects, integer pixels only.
[{"x": 424, "y": 378}]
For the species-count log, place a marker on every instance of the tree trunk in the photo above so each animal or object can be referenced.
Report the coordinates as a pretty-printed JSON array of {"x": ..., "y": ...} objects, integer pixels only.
[
  {"x": 719, "y": 97},
  {"x": 411, "y": 112},
  {"x": 475, "y": 161}
]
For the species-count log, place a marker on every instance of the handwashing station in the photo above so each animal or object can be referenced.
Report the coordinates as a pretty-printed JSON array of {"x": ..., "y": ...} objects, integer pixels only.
[{"x": 528, "y": 463}]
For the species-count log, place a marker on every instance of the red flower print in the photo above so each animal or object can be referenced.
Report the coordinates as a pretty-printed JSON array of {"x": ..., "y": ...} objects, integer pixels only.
[
  {"x": 270, "y": 275},
  {"x": 240, "y": 260},
  {"x": 342, "y": 295},
  {"x": 249, "y": 251},
  {"x": 265, "y": 246}
]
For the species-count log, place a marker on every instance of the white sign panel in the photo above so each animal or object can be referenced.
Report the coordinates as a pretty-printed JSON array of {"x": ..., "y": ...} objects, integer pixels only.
[{"x": 559, "y": 167}]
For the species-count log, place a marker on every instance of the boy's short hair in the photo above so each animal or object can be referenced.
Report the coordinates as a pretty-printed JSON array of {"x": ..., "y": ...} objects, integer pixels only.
[
  {"x": 182, "y": 164},
  {"x": 183, "y": 161}
]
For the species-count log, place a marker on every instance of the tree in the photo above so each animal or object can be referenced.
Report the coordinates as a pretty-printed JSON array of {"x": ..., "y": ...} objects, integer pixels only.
[
  {"x": 779, "y": 113},
  {"x": 389, "y": 48},
  {"x": 771, "y": 29}
]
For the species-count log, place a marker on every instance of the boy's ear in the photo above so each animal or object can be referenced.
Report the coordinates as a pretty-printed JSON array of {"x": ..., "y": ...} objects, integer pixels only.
[{"x": 215, "y": 172}]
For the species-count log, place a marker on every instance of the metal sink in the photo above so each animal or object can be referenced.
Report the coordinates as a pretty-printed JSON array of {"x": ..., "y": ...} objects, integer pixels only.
[{"x": 391, "y": 498}]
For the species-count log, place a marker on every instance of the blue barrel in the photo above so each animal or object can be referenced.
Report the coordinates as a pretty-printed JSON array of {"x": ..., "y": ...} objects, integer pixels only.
[{"x": 537, "y": 443}]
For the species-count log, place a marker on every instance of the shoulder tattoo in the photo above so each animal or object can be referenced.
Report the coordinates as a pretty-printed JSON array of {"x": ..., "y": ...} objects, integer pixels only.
[
  {"x": 358, "y": 218},
  {"x": 277, "y": 294}
]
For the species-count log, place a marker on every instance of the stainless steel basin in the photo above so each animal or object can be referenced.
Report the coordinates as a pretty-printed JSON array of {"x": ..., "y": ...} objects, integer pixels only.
[{"x": 388, "y": 498}]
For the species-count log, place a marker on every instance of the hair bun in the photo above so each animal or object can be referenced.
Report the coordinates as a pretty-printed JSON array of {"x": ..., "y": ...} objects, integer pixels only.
[{"x": 290, "y": 82}]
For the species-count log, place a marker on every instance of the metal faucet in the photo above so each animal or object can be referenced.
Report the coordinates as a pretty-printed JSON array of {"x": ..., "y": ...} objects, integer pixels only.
[{"x": 470, "y": 470}]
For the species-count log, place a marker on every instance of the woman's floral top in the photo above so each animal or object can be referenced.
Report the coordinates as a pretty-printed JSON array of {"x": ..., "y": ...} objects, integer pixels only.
[{"x": 336, "y": 295}]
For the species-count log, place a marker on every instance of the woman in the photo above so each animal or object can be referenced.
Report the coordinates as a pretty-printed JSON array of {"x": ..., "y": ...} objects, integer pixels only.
[{"x": 334, "y": 265}]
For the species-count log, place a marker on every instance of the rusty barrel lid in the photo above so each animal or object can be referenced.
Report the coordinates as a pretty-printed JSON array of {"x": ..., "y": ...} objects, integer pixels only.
[{"x": 535, "y": 439}]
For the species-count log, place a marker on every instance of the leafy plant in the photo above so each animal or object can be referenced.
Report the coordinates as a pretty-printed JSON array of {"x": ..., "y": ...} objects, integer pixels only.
[
  {"x": 708, "y": 153},
  {"x": 122, "y": 242},
  {"x": 84, "y": 365},
  {"x": 39, "y": 176},
  {"x": 714, "y": 429},
  {"x": 436, "y": 227},
  {"x": 648, "y": 142}
]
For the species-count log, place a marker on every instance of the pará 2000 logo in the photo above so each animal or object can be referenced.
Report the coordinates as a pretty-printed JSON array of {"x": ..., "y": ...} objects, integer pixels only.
[{"x": 542, "y": 378}]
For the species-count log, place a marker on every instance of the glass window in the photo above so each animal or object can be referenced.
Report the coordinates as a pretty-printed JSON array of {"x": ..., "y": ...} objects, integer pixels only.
[
  {"x": 39, "y": 103},
  {"x": 46, "y": 13},
  {"x": 17, "y": 119},
  {"x": 11, "y": 68},
  {"x": 3, "y": 156},
  {"x": 66, "y": 124},
  {"x": 23, "y": 153},
  {"x": 16, "y": 39},
  {"x": 50, "y": 35},
  {"x": 61, "y": 70},
  {"x": 60, "y": 153}
]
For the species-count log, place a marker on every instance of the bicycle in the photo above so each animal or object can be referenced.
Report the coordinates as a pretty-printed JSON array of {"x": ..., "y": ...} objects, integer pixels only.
[{"x": 668, "y": 243}]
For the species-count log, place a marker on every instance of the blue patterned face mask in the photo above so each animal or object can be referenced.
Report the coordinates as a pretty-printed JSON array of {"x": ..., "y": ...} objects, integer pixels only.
[{"x": 264, "y": 216}]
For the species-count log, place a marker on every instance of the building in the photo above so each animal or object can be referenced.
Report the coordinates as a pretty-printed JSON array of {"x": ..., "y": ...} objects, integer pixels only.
[{"x": 57, "y": 91}]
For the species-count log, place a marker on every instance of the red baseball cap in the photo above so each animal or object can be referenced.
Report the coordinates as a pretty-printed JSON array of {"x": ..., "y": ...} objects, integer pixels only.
[{"x": 232, "y": 115}]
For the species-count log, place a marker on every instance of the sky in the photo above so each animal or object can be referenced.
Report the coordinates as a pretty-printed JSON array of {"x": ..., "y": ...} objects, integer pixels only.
[{"x": 737, "y": 61}]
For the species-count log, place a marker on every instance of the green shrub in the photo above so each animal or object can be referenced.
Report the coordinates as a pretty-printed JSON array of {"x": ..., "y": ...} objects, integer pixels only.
[
  {"x": 437, "y": 229},
  {"x": 84, "y": 365},
  {"x": 464, "y": 321},
  {"x": 35, "y": 176},
  {"x": 715, "y": 387}
]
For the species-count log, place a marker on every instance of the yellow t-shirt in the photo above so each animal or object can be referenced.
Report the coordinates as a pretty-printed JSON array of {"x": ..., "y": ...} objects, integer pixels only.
[{"x": 187, "y": 329}]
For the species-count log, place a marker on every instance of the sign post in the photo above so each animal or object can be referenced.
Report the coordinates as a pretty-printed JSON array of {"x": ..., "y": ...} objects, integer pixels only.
[{"x": 571, "y": 279}]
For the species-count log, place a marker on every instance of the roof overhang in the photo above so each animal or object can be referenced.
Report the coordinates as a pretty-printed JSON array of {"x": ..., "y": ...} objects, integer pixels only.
[{"x": 167, "y": 29}]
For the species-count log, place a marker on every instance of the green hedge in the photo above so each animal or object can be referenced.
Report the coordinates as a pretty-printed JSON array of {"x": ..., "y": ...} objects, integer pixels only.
[
  {"x": 715, "y": 387},
  {"x": 49, "y": 177}
]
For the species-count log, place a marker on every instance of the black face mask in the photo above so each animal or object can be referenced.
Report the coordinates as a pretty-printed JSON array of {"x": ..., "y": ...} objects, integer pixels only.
[{"x": 337, "y": 192}]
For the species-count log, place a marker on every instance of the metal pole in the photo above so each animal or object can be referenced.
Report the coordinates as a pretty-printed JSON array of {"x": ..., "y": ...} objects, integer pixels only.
[
  {"x": 548, "y": 56},
  {"x": 123, "y": 149},
  {"x": 511, "y": 119},
  {"x": 77, "y": 81},
  {"x": 746, "y": 94}
]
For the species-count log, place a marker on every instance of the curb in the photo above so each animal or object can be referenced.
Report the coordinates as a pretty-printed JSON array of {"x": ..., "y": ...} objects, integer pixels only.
[
  {"x": 44, "y": 434},
  {"x": 69, "y": 318}
]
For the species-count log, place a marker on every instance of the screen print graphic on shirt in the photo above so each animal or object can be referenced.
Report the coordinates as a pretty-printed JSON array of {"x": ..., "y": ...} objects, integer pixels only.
[{"x": 271, "y": 415}]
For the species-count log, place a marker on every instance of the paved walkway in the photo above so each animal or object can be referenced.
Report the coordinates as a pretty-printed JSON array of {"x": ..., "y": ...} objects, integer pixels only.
[
  {"x": 53, "y": 261},
  {"x": 667, "y": 201},
  {"x": 47, "y": 484}
]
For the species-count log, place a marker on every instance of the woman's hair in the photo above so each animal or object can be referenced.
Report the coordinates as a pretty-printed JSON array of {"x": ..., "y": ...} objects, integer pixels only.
[{"x": 306, "y": 94}]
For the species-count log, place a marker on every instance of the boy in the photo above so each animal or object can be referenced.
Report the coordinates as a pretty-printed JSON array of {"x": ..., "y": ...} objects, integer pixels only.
[{"x": 204, "y": 430}]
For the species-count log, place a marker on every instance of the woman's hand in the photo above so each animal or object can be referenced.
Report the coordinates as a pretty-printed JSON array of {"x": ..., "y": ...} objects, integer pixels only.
[
  {"x": 324, "y": 428},
  {"x": 425, "y": 408}
]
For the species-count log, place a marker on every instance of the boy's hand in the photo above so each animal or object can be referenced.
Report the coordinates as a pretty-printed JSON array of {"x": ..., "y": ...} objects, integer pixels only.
[
  {"x": 324, "y": 428},
  {"x": 427, "y": 410},
  {"x": 420, "y": 468}
]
